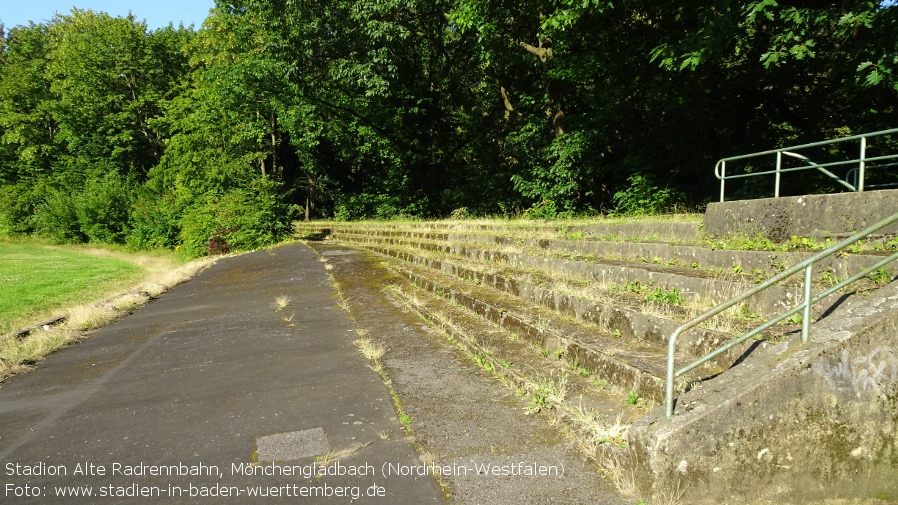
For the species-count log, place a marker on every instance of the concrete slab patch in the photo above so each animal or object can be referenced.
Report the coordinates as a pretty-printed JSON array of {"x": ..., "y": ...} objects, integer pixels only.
[{"x": 291, "y": 445}]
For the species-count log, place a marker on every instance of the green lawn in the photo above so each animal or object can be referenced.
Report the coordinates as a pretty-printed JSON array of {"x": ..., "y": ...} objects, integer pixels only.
[{"x": 35, "y": 279}]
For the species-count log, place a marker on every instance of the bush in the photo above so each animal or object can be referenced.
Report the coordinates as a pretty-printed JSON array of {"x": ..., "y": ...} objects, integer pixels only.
[
  {"x": 56, "y": 219},
  {"x": 238, "y": 220},
  {"x": 155, "y": 223},
  {"x": 19, "y": 202},
  {"x": 461, "y": 213},
  {"x": 545, "y": 209},
  {"x": 103, "y": 208},
  {"x": 643, "y": 197}
]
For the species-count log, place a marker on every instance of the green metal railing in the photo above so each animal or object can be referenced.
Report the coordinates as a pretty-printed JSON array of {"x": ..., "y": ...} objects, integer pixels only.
[
  {"x": 804, "y": 307},
  {"x": 855, "y": 178}
]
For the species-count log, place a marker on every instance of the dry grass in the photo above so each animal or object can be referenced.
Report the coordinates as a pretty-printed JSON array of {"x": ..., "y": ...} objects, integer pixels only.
[
  {"x": 373, "y": 352},
  {"x": 370, "y": 349},
  {"x": 620, "y": 469},
  {"x": 282, "y": 302}
]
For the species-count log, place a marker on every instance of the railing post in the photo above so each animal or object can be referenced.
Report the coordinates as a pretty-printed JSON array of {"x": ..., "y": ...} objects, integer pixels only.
[
  {"x": 806, "y": 314},
  {"x": 723, "y": 176},
  {"x": 863, "y": 165},
  {"x": 779, "y": 165},
  {"x": 669, "y": 389}
]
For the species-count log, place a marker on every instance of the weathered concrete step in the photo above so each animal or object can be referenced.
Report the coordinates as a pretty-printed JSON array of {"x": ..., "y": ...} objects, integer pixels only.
[
  {"x": 757, "y": 264},
  {"x": 626, "y": 366},
  {"x": 707, "y": 290},
  {"x": 597, "y": 416},
  {"x": 761, "y": 264},
  {"x": 629, "y": 323},
  {"x": 686, "y": 229},
  {"x": 498, "y": 351}
]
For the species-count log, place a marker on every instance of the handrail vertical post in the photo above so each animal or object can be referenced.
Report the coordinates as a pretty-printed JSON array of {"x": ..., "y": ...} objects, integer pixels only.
[
  {"x": 806, "y": 314},
  {"x": 863, "y": 165},
  {"x": 669, "y": 389},
  {"x": 723, "y": 177},
  {"x": 779, "y": 165}
]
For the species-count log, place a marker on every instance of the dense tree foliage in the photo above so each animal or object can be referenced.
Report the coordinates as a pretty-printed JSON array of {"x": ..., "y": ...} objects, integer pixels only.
[{"x": 216, "y": 138}]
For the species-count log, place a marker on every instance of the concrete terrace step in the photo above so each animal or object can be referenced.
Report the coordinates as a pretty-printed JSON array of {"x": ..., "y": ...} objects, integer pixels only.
[
  {"x": 584, "y": 259},
  {"x": 624, "y": 365},
  {"x": 683, "y": 231},
  {"x": 596, "y": 415},
  {"x": 750, "y": 263},
  {"x": 520, "y": 362},
  {"x": 633, "y": 358},
  {"x": 698, "y": 286},
  {"x": 631, "y": 322}
]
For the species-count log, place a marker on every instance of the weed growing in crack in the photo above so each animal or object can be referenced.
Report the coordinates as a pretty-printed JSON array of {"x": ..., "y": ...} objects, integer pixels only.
[
  {"x": 546, "y": 392},
  {"x": 483, "y": 362},
  {"x": 281, "y": 302},
  {"x": 664, "y": 297},
  {"x": 597, "y": 431},
  {"x": 881, "y": 276},
  {"x": 633, "y": 399},
  {"x": 326, "y": 459},
  {"x": 369, "y": 349},
  {"x": 373, "y": 352}
]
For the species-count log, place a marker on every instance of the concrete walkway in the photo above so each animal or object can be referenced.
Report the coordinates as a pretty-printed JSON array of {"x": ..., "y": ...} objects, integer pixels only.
[{"x": 176, "y": 401}]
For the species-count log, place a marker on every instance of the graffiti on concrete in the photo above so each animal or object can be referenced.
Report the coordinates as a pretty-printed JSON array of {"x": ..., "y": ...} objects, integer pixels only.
[{"x": 876, "y": 372}]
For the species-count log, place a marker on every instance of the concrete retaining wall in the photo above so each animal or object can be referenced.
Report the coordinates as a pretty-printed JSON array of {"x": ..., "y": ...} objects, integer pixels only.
[
  {"x": 795, "y": 422},
  {"x": 805, "y": 216}
]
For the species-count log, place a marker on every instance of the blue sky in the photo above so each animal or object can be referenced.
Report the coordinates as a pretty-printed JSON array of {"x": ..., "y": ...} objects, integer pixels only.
[{"x": 157, "y": 13}]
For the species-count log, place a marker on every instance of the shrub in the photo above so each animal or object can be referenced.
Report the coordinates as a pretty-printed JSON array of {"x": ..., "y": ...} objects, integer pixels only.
[
  {"x": 56, "y": 219},
  {"x": 461, "y": 213},
  {"x": 238, "y": 220},
  {"x": 155, "y": 222},
  {"x": 545, "y": 209},
  {"x": 643, "y": 197},
  {"x": 103, "y": 208},
  {"x": 19, "y": 202}
]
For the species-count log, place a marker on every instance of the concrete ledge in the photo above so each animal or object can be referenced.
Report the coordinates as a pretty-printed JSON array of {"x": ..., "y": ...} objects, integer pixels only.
[
  {"x": 793, "y": 422},
  {"x": 809, "y": 215}
]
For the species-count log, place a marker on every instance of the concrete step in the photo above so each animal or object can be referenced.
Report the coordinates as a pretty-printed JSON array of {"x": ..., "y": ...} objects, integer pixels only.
[
  {"x": 522, "y": 363},
  {"x": 595, "y": 414},
  {"x": 627, "y": 316},
  {"x": 703, "y": 288},
  {"x": 633, "y": 358},
  {"x": 682, "y": 229},
  {"x": 752, "y": 265}
]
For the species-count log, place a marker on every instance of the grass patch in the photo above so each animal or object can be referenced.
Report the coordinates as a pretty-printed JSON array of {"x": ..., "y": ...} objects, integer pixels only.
[
  {"x": 36, "y": 279},
  {"x": 88, "y": 285}
]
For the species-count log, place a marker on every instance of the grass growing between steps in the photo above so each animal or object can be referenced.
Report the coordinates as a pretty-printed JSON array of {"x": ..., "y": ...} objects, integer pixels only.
[
  {"x": 87, "y": 286},
  {"x": 599, "y": 437},
  {"x": 540, "y": 392},
  {"x": 610, "y": 291}
]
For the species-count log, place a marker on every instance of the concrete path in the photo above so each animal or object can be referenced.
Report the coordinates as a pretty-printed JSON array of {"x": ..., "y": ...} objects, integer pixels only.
[{"x": 176, "y": 402}]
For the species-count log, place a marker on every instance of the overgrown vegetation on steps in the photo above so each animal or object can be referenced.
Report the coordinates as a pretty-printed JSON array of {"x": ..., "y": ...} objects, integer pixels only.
[{"x": 575, "y": 320}]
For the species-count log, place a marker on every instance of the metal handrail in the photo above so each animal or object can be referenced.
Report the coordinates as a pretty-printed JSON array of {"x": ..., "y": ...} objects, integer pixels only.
[
  {"x": 862, "y": 162},
  {"x": 804, "y": 307}
]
